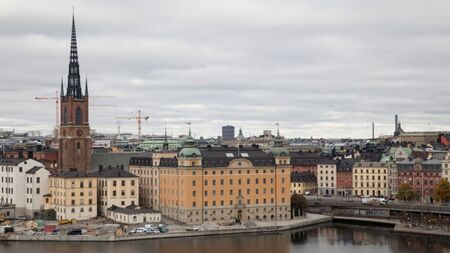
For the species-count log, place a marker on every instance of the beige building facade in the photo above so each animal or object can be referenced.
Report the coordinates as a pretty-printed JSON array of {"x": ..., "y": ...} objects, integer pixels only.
[
  {"x": 116, "y": 187},
  {"x": 74, "y": 195},
  {"x": 370, "y": 179}
]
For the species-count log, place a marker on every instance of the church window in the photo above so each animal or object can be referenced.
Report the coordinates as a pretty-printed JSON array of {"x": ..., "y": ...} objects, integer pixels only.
[
  {"x": 65, "y": 115},
  {"x": 78, "y": 116}
]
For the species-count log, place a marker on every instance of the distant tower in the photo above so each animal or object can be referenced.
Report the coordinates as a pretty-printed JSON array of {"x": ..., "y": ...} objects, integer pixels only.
[
  {"x": 373, "y": 130},
  {"x": 74, "y": 132},
  {"x": 166, "y": 143},
  {"x": 228, "y": 133}
]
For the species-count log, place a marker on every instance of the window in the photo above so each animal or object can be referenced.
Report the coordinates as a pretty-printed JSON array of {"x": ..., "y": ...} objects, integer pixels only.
[
  {"x": 123, "y": 182},
  {"x": 65, "y": 115},
  {"x": 114, "y": 183},
  {"x": 78, "y": 116},
  {"x": 132, "y": 182}
]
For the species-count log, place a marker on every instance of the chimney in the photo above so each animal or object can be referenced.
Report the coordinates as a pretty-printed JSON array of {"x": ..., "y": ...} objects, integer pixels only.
[
  {"x": 396, "y": 122},
  {"x": 373, "y": 130}
]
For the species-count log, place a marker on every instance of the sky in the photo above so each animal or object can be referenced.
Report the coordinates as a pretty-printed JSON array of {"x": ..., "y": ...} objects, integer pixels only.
[{"x": 318, "y": 68}]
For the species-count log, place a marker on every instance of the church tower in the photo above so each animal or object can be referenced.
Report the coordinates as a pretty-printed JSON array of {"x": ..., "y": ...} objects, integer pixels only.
[{"x": 74, "y": 132}]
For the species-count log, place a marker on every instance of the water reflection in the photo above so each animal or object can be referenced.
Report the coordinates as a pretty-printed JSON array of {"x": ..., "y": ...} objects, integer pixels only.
[{"x": 331, "y": 238}]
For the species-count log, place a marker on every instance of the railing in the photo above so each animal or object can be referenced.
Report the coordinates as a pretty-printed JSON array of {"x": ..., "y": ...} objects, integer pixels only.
[{"x": 390, "y": 205}]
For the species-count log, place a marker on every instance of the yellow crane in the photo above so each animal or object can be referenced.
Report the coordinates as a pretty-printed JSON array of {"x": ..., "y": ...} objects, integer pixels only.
[
  {"x": 139, "y": 117},
  {"x": 56, "y": 98}
]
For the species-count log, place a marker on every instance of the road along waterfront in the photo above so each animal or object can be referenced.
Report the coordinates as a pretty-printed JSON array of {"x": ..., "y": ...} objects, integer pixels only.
[{"x": 328, "y": 237}]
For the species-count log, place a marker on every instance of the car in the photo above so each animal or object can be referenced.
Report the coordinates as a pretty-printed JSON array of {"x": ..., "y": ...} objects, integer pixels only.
[
  {"x": 307, "y": 193},
  {"x": 193, "y": 228},
  {"x": 75, "y": 231},
  {"x": 141, "y": 230},
  {"x": 326, "y": 195},
  {"x": 65, "y": 222},
  {"x": 163, "y": 229},
  {"x": 21, "y": 218},
  {"x": 55, "y": 232}
]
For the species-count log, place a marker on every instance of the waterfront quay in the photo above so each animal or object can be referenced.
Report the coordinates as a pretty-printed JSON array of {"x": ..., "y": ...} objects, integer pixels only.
[{"x": 178, "y": 231}]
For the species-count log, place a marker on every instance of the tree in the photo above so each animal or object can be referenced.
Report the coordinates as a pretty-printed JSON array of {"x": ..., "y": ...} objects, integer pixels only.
[
  {"x": 442, "y": 191},
  {"x": 298, "y": 204},
  {"x": 405, "y": 192}
]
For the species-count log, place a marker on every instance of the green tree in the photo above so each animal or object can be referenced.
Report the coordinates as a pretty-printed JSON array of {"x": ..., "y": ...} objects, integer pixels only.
[
  {"x": 442, "y": 191},
  {"x": 405, "y": 192},
  {"x": 298, "y": 204}
]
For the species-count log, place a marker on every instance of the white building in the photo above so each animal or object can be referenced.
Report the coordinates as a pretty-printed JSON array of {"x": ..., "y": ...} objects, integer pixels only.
[
  {"x": 36, "y": 188},
  {"x": 13, "y": 184},
  {"x": 326, "y": 177},
  {"x": 133, "y": 215},
  {"x": 446, "y": 167}
]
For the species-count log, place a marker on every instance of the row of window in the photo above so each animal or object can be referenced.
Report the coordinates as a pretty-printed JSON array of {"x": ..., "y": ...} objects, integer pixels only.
[{"x": 214, "y": 172}]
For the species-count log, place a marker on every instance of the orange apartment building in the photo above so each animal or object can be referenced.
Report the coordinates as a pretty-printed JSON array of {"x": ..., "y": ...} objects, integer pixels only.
[{"x": 220, "y": 184}]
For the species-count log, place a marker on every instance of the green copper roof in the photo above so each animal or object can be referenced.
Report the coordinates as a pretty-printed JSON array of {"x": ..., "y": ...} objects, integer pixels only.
[
  {"x": 278, "y": 148},
  {"x": 189, "y": 149}
]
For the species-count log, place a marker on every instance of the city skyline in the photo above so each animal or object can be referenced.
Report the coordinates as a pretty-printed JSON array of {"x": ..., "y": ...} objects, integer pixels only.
[{"x": 143, "y": 61}]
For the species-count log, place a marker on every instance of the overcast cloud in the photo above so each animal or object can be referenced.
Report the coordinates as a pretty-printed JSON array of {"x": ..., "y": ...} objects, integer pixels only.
[{"x": 319, "y": 68}]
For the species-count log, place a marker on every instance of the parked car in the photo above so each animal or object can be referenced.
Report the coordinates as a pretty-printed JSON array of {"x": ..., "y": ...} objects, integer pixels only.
[
  {"x": 193, "y": 228},
  {"x": 75, "y": 231},
  {"x": 141, "y": 230},
  {"x": 307, "y": 193},
  {"x": 163, "y": 229},
  {"x": 65, "y": 221},
  {"x": 21, "y": 218}
]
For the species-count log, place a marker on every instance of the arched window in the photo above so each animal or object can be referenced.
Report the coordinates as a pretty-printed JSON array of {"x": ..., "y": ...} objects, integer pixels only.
[
  {"x": 65, "y": 115},
  {"x": 78, "y": 116}
]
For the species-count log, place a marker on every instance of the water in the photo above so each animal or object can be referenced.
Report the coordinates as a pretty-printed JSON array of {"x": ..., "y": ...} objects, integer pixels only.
[{"x": 329, "y": 238}]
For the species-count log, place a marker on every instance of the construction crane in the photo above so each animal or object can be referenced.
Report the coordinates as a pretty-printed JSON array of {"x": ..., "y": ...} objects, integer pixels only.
[
  {"x": 56, "y": 98},
  {"x": 139, "y": 117}
]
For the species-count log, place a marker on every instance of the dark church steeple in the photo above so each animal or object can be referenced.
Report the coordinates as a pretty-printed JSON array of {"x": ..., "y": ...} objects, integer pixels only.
[
  {"x": 74, "y": 139},
  {"x": 73, "y": 79}
]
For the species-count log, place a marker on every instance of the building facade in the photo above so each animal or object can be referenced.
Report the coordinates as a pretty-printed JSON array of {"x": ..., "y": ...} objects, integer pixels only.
[
  {"x": 220, "y": 184},
  {"x": 36, "y": 188},
  {"x": 228, "y": 133},
  {"x": 344, "y": 177},
  {"x": 370, "y": 179},
  {"x": 14, "y": 189},
  {"x": 421, "y": 175},
  {"x": 305, "y": 162},
  {"x": 74, "y": 195},
  {"x": 116, "y": 187},
  {"x": 446, "y": 167},
  {"x": 326, "y": 177},
  {"x": 133, "y": 215},
  {"x": 303, "y": 183}
]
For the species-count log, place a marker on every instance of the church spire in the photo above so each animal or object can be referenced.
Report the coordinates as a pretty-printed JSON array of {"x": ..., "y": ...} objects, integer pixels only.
[
  {"x": 73, "y": 82},
  {"x": 165, "y": 144},
  {"x": 62, "y": 87},
  {"x": 86, "y": 93}
]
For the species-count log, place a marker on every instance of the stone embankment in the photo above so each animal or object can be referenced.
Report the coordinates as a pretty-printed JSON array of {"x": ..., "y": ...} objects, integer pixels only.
[{"x": 261, "y": 228}]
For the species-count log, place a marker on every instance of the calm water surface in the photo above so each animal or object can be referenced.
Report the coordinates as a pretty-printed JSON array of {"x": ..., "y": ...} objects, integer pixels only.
[{"x": 330, "y": 238}]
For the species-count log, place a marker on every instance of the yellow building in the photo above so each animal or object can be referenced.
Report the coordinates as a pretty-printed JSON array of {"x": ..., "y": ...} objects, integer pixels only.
[
  {"x": 116, "y": 187},
  {"x": 303, "y": 182},
  {"x": 147, "y": 170},
  {"x": 370, "y": 178},
  {"x": 74, "y": 195},
  {"x": 220, "y": 184}
]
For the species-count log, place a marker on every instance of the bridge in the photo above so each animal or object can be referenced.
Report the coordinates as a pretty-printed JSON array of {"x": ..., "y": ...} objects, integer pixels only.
[{"x": 355, "y": 207}]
